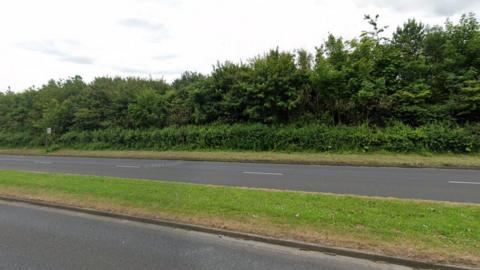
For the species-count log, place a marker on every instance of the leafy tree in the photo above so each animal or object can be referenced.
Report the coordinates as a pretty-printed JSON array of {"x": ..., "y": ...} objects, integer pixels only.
[
  {"x": 148, "y": 110},
  {"x": 418, "y": 75},
  {"x": 468, "y": 101},
  {"x": 273, "y": 96}
]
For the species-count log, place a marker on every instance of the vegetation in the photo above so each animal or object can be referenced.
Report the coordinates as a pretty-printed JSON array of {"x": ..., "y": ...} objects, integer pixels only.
[
  {"x": 418, "y": 89},
  {"x": 399, "y": 138},
  {"x": 435, "y": 138},
  {"x": 428, "y": 230}
]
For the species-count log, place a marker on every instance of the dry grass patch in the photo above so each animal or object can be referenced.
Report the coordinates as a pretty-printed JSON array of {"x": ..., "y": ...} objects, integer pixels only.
[{"x": 366, "y": 159}]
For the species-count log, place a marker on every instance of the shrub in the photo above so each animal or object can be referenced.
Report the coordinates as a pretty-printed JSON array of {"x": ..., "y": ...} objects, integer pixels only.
[{"x": 438, "y": 138}]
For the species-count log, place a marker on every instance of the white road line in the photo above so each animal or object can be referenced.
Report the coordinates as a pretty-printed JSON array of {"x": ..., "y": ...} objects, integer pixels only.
[
  {"x": 42, "y": 162},
  {"x": 465, "y": 183},
  {"x": 263, "y": 173},
  {"x": 128, "y": 166}
]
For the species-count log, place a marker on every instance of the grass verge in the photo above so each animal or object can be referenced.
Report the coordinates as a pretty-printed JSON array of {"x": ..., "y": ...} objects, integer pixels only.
[
  {"x": 366, "y": 159},
  {"x": 432, "y": 231}
]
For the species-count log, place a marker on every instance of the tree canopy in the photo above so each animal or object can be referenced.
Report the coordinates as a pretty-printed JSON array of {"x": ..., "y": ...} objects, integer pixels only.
[{"x": 418, "y": 75}]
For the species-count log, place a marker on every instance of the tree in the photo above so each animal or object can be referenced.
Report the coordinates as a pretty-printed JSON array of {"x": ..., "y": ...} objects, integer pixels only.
[
  {"x": 410, "y": 39},
  {"x": 419, "y": 74},
  {"x": 468, "y": 101},
  {"x": 148, "y": 110},
  {"x": 274, "y": 95}
]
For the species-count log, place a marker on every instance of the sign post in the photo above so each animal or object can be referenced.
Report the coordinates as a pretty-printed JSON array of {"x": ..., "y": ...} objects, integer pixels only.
[{"x": 49, "y": 131}]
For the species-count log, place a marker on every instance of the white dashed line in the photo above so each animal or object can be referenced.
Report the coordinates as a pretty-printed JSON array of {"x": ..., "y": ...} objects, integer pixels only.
[
  {"x": 464, "y": 183},
  {"x": 128, "y": 166},
  {"x": 42, "y": 162},
  {"x": 264, "y": 173}
]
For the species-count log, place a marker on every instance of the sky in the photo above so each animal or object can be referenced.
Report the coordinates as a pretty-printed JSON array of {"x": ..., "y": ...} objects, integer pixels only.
[{"x": 57, "y": 39}]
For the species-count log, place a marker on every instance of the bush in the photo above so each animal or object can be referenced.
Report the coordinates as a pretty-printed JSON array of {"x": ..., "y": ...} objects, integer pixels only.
[{"x": 438, "y": 138}]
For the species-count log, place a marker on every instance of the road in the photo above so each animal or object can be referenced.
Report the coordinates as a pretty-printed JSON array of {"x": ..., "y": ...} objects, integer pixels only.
[
  {"x": 41, "y": 238},
  {"x": 431, "y": 184}
]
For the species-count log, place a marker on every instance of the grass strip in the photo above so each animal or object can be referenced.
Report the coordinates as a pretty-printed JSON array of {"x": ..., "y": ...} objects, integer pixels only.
[
  {"x": 362, "y": 159},
  {"x": 433, "y": 231}
]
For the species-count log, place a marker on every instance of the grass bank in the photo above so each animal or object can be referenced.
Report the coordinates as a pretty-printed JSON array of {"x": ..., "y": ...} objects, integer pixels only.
[
  {"x": 434, "y": 231},
  {"x": 366, "y": 159}
]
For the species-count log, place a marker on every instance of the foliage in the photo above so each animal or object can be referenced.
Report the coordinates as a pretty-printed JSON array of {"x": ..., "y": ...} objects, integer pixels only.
[
  {"x": 418, "y": 76},
  {"x": 398, "y": 137}
]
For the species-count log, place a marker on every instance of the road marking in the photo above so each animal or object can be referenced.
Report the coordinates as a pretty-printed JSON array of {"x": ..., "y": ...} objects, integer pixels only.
[
  {"x": 42, "y": 162},
  {"x": 128, "y": 166},
  {"x": 465, "y": 183},
  {"x": 263, "y": 173}
]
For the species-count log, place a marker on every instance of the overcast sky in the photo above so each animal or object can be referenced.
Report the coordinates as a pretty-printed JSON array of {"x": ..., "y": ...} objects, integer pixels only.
[{"x": 162, "y": 38}]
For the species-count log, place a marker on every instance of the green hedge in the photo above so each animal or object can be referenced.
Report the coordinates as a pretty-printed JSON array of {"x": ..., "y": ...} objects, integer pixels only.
[
  {"x": 257, "y": 137},
  {"x": 21, "y": 139}
]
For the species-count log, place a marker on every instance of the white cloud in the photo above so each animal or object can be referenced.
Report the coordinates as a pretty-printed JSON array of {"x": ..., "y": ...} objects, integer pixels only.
[
  {"x": 143, "y": 24},
  {"x": 57, "y": 39},
  {"x": 54, "y": 48},
  {"x": 438, "y": 7}
]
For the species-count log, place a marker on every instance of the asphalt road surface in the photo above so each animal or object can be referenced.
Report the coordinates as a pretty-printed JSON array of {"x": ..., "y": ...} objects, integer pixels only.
[
  {"x": 431, "y": 184},
  {"x": 41, "y": 238}
]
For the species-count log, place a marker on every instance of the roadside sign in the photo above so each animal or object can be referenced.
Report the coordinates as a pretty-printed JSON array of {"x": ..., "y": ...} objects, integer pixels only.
[{"x": 49, "y": 131}]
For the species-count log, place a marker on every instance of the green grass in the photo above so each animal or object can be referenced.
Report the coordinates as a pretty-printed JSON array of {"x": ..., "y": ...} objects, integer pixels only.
[
  {"x": 360, "y": 159},
  {"x": 441, "y": 232}
]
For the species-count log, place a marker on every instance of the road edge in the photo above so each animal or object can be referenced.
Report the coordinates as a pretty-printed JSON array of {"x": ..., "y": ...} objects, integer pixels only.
[{"x": 246, "y": 236}]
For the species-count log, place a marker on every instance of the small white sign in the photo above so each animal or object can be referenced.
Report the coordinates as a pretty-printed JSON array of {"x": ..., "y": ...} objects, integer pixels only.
[{"x": 49, "y": 130}]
